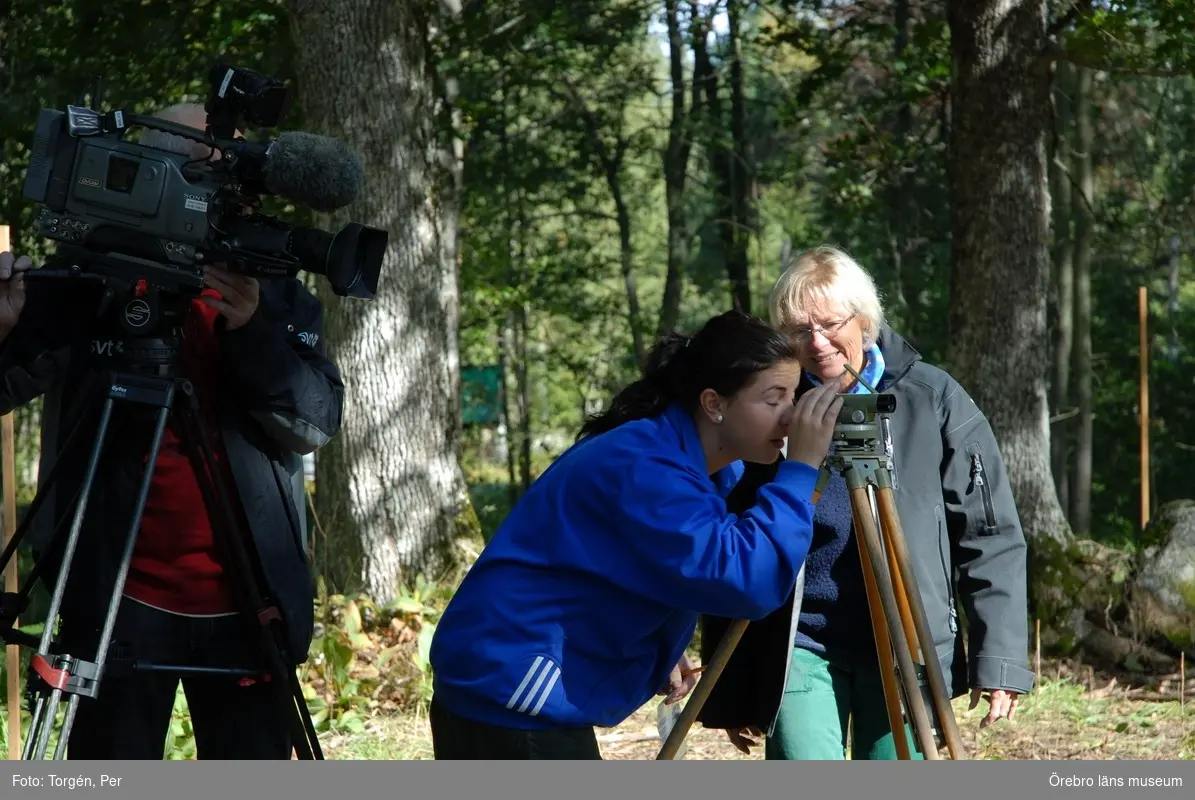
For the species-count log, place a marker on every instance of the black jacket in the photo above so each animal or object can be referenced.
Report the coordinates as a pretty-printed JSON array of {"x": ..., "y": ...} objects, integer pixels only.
[
  {"x": 964, "y": 539},
  {"x": 279, "y": 398}
]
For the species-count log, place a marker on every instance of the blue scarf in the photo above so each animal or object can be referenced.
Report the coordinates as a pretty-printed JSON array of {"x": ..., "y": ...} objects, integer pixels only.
[{"x": 873, "y": 370}]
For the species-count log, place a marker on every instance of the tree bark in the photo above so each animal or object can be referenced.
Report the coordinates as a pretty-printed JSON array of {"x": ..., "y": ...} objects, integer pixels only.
[
  {"x": 506, "y": 357},
  {"x": 721, "y": 155},
  {"x": 1064, "y": 278},
  {"x": 899, "y": 202},
  {"x": 742, "y": 167},
  {"x": 522, "y": 371},
  {"x": 1084, "y": 232},
  {"x": 676, "y": 168},
  {"x": 1000, "y": 263},
  {"x": 390, "y": 491},
  {"x": 1000, "y": 275}
]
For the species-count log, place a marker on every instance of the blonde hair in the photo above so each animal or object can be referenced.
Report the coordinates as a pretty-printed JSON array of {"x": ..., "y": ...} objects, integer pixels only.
[{"x": 828, "y": 276}]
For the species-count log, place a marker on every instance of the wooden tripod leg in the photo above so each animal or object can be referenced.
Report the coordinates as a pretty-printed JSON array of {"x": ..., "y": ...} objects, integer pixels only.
[
  {"x": 916, "y": 651},
  {"x": 898, "y": 553},
  {"x": 882, "y": 640},
  {"x": 869, "y": 534},
  {"x": 701, "y": 692},
  {"x": 902, "y": 597}
]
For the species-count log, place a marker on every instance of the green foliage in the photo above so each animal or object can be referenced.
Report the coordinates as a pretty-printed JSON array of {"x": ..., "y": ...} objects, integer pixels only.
[
  {"x": 867, "y": 118},
  {"x": 180, "y": 738},
  {"x": 368, "y": 658},
  {"x": 1131, "y": 36}
]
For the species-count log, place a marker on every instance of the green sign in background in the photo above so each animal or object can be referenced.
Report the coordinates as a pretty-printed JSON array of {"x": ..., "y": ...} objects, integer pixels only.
[{"x": 481, "y": 395}]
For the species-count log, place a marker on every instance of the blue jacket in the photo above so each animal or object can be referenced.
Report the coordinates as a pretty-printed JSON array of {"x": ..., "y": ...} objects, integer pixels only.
[{"x": 590, "y": 591}]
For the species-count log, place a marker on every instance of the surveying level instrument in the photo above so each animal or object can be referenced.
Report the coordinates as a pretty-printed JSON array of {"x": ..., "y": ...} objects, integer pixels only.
[{"x": 914, "y": 685}]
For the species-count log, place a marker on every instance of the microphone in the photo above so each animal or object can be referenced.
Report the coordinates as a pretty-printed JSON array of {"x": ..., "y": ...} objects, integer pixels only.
[{"x": 316, "y": 171}]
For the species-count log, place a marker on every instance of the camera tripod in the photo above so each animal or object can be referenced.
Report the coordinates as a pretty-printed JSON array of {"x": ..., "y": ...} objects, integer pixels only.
[
  {"x": 910, "y": 671},
  {"x": 149, "y": 382}
]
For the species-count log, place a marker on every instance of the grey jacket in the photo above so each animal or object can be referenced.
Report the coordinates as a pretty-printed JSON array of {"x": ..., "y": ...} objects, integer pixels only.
[{"x": 965, "y": 543}]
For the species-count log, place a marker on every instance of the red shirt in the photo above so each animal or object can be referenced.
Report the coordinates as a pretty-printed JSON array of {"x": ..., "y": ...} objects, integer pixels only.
[{"x": 175, "y": 565}]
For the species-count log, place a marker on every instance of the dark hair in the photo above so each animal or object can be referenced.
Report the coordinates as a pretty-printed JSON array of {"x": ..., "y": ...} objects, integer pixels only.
[{"x": 724, "y": 355}]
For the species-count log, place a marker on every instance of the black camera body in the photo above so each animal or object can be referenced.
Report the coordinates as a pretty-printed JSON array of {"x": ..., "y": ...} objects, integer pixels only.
[
  {"x": 129, "y": 211},
  {"x": 113, "y": 196}
]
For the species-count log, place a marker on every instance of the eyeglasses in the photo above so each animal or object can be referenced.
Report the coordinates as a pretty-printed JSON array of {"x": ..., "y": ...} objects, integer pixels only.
[{"x": 829, "y": 330}]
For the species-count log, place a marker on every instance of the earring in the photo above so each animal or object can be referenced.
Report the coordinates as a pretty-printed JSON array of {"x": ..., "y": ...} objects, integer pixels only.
[{"x": 718, "y": 421}]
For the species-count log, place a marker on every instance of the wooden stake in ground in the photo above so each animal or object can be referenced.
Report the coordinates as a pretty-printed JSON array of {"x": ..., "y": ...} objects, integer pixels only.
[
  {"x": 1143, "y": 400},
  {"x": 1037, "y": 651},
  {"x": 9, "y": 474}
]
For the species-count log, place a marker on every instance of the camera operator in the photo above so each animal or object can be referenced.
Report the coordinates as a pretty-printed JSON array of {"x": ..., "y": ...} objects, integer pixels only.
[{"x": 267, "y": 395}]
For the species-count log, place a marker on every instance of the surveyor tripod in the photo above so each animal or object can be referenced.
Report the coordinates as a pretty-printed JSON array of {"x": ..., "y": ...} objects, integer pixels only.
[
  {"x": 913, "y": 682},
  {"x": 148, "y": 387}
]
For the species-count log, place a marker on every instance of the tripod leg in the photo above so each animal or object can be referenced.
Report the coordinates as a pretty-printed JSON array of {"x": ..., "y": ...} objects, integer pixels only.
[
  {"x": 898, "y": 553},
  {"x": 883, "y": 644},
  {"x": 868, "y": 533},
  {"x": 898, "y": 588},
  {"x": 122, "y": 574},
  {"x": 917, "y": 649},
  {"x": 46, "y": 710},
  {"x": 39, "y": 708},
  {"x": 701, "y": 691},
  {"x": 902, "y": 600},
  {"x": 230, "y": 540}
]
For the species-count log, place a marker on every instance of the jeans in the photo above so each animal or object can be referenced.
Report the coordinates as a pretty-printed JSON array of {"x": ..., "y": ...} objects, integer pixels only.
[
  {"x": 130, "y": 717},
  {"x": 826, "y": 696}
]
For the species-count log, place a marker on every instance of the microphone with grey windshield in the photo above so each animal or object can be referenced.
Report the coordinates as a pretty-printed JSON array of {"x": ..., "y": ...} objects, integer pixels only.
[{"x": 316, "y": 171}]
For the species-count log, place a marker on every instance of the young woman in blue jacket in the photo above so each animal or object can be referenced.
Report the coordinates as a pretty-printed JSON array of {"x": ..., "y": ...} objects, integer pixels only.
[{"x": 584, "y": 601}]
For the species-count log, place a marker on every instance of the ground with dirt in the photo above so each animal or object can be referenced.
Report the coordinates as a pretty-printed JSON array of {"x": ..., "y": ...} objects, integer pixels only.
[{"x": 1075, "y": 714}]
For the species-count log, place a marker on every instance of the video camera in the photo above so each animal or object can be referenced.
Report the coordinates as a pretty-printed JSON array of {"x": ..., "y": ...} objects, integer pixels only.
[{"x": 142, "y": 214}]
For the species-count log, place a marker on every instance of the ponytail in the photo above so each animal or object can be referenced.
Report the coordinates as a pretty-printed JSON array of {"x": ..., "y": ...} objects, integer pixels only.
[
  {"x": 650, "y": 395},
  {"x": 724, "y": 356}
]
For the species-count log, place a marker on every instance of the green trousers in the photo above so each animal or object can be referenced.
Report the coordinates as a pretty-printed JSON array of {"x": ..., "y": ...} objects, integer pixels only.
[{"x": 826, "y": 697}]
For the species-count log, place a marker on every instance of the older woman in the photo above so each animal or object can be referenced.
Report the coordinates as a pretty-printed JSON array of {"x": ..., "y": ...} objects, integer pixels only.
[{"x": 808, "y": 672}]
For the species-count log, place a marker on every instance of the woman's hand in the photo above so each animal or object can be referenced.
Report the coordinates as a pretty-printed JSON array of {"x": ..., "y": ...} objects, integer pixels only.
[
  {"x": 739, "y": 738},
  {"x": 1002, "y": 704},
  {"x": 681, "y": 681},
  {"x": 812, "y": 425}
]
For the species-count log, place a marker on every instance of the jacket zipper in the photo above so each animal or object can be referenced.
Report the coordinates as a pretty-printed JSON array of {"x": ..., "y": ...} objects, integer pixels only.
[
  {"x": 978, "y": 479},
  {"x": 889, "y": 450},
  {"x": 946, "y": 571}
]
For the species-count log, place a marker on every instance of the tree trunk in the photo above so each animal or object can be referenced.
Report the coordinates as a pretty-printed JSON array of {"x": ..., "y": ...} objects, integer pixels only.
[
  {"x": 1000, "y": 264},
  {"x": 506, "y": 356},
  {"x": 1084, "y": 231},
  {"x": 390, "y": 492},
  {"x": 626, "y": 258},
  {"x": 720, "y": 156},
  {"x": 1172, "y": 300},
  {"x": 742, "y": 167},
  {"x": 999, "y": 281},
  {"x": 900, "y": 204},
  {"x": 522, "y": 370},
  {"x": 676, "y": 168},
  {"x": 1064, "y": 277},
  {"x": 508, "y": 345}
]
